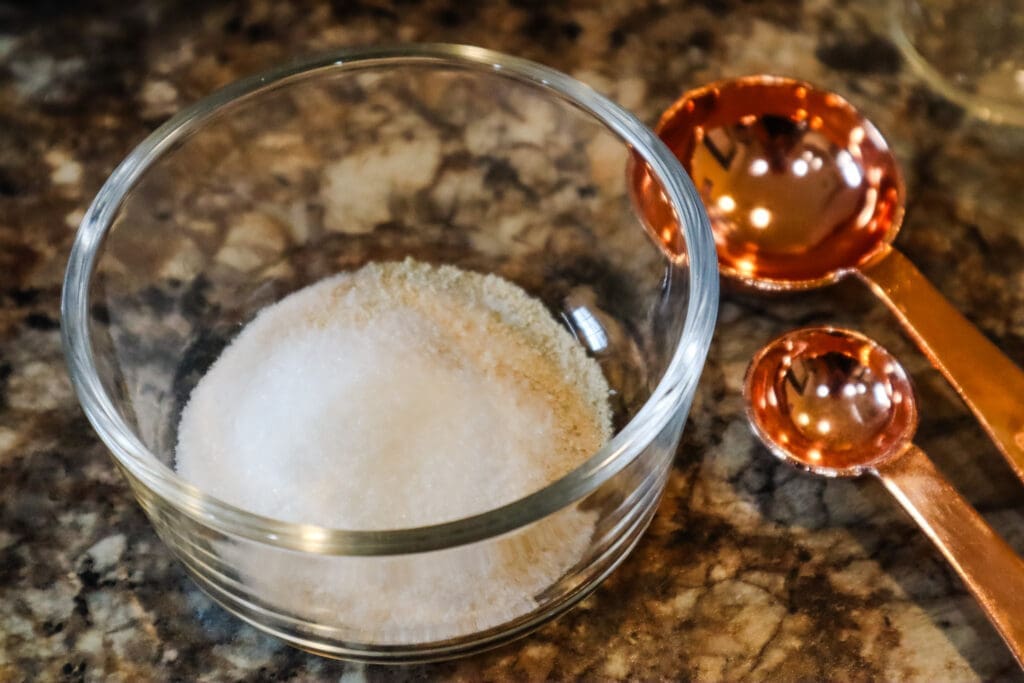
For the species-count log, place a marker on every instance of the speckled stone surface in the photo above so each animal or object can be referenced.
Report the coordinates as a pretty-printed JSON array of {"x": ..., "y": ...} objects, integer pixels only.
[{"x": 749, "y": 571}]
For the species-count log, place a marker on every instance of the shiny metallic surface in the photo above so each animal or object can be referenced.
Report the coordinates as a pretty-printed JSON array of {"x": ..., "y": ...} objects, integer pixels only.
[
  {"x": 832, "y": 401},
  {"x": 835, "y": 403},
  {"x": 802, "y": 190},
  {"x": 798, "y": 185},
  {"x": 989, "y": 382}
]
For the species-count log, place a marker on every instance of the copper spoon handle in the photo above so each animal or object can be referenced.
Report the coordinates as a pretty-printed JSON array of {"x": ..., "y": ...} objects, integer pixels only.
[
  {"x": 990, "y": 384},
  {"x": 987, "y": 565}
]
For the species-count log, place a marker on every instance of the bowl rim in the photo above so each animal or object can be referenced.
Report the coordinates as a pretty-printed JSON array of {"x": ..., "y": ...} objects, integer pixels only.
[
  {"x": 985, "y": 107},
  {"x": 671, "y": 396}
]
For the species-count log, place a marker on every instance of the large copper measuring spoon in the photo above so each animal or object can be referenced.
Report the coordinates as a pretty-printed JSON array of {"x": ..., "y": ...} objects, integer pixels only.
[
  {"x": 835, "y": 403},
  {"x": 802, "y": 190}
]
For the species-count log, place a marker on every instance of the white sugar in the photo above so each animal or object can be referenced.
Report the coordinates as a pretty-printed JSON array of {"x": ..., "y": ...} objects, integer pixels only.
[{"x": 399, "y": 395}]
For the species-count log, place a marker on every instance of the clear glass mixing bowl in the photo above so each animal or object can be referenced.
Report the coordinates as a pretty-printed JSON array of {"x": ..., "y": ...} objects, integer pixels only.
[
  {"x": 448, "y": 154},
  {"x": 970, "y": 52}
]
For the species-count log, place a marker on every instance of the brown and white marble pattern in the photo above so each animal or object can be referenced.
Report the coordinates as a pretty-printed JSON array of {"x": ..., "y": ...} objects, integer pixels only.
[{"x": 750, "y": 571}]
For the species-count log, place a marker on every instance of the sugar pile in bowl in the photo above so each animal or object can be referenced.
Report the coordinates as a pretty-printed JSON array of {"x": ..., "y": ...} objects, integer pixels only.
[{"x": 399, "y": 395}]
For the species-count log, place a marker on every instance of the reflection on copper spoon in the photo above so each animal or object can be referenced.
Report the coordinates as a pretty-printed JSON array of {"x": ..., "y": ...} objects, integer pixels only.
[
  {"x": 802, "y": 190},
  {"x": 835, "y": 403}
]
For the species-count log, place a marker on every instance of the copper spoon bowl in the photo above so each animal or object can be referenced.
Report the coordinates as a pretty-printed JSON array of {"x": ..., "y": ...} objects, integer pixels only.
[
  {"x": 802, "y": 190},
  {"x": 835, "y": 403}
]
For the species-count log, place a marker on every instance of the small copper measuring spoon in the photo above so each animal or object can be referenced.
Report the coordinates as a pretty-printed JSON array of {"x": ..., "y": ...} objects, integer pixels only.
[
  {"x": 801, "y": 191},
  {"x": 835, "y": 403}
]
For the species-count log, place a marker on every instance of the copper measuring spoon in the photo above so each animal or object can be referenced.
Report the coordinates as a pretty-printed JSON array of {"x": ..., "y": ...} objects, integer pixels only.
[
  {"x": 835, "y": 403},
  {"x": 801, "y": 191}
]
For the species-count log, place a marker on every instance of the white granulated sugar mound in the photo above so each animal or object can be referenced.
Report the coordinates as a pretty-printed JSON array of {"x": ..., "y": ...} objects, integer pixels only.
[
  {"x": 399, "y": 395},
  {"x": 419, "y": 598}
]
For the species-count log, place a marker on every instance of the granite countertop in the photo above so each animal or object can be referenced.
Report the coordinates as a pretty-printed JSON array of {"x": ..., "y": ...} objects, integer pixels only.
[{"x": 750, "y": 570}]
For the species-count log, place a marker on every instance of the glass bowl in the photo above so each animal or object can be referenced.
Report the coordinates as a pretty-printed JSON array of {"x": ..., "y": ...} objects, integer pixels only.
[
  {"x": 448, "y": 154},
  {"x": 971, "y": 53}
]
